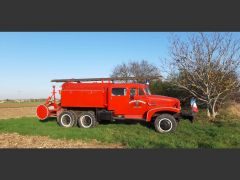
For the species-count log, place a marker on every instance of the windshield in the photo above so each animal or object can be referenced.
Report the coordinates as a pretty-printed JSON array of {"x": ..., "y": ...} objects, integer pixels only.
[{"x": 147, "y": 90}]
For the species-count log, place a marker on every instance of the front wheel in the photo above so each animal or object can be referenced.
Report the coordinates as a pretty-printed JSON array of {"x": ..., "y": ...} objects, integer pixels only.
[{"x": 165, "y": 123}]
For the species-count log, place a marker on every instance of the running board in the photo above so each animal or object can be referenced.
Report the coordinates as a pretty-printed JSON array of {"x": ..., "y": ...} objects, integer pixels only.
[{"x": 122, "y": 118}]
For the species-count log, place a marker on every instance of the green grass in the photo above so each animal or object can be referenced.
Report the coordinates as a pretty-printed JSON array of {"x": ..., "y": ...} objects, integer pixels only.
[{"x": 200, "y": 134}]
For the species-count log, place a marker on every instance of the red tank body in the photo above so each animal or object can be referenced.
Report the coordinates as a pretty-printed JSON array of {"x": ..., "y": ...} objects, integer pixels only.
[{"x": 84, "y": 95}]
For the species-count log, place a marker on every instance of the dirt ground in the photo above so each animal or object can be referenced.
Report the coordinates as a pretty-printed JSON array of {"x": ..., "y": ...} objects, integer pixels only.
[
  {"x": 14, "y": 140},
  {"x": 7, "y": 113}
]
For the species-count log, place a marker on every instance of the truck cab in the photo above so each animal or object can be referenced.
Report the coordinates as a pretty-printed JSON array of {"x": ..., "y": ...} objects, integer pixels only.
[{"x": 135, "y": 101}]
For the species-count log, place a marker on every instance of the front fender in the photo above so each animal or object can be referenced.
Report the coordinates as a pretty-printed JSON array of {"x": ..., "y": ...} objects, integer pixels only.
[{"x": 151, "y": 112}]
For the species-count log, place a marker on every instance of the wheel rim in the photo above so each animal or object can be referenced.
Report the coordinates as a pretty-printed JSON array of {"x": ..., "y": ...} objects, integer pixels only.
[
  {"x": 66, "y": 120},
  {"x": 165, "y": 125},
  {"x": 86, "y": 121}
]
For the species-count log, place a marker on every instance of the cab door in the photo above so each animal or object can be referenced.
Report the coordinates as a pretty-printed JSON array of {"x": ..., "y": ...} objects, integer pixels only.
[
  {"x": 118, "y": 100},
  {"x": 137, "y": 105}
]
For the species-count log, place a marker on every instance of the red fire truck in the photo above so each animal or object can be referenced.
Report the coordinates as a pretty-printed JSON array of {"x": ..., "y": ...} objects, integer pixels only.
[{"x": 86, "y": 102}]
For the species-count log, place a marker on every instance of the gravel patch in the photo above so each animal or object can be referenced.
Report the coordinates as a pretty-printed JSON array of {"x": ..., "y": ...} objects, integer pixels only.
[{"x": 14, "y": 140}]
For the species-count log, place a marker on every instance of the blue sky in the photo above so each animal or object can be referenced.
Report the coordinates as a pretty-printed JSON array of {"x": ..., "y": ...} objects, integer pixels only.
[{"x": 29, "y": 60}]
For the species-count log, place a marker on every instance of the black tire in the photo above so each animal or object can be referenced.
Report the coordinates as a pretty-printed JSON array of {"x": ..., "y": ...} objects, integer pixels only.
[
  {"x": 67, "y": 119},
  {"x": 87, "y": 119},
  {"x": 165, "y": 123}
]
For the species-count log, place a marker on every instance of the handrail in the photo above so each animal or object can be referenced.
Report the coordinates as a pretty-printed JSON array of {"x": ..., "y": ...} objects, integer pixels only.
[{"x": 107, "y": 79}]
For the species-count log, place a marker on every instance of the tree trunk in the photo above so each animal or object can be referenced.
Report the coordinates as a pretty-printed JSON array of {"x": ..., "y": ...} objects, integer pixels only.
[
  {"x": 214, "y": 113},
  {"x": 208, "y": 113},
  {"x": 211, "y": 112}
]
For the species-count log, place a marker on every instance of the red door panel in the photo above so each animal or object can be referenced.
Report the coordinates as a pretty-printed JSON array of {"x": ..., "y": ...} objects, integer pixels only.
[
  {"x": 137, "y": 105},
  {"x": 118, "y": 100}
]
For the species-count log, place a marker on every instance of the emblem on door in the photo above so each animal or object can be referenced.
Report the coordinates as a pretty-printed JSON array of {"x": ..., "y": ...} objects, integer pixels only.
[{"x": 137, "y": 103}]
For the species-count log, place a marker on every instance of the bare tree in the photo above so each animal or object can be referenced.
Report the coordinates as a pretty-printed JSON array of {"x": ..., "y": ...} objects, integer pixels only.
[
  {"x": 207, "y": 66},
  {"x": 139, "y": 70},
  {"x": 121, "y": 71}
]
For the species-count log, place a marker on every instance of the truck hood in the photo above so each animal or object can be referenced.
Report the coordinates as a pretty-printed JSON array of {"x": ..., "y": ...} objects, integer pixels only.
[{"x": 163, "y": 101}]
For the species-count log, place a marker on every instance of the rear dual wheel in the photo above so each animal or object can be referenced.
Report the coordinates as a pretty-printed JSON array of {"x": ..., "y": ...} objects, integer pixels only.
[
  {"x": 87, "y": 119},
  {"x": 84, "y": 119},
  {"x": 67, "y": 119}
]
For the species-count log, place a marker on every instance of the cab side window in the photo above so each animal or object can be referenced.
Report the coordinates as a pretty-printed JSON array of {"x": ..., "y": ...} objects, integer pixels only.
[
  {"x": 141, "y": 92},
  {"x": 119, "y": 91}
]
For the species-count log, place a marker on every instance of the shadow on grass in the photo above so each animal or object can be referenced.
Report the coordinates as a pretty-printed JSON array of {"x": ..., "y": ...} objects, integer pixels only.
[
  {"x": 130, "y": 122},
  {"x": 126, "y": 121},
  {"x": 50, "y": 119}
]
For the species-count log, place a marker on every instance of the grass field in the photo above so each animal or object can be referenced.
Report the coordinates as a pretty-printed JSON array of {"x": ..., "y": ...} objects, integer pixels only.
[
  {"x": 22, "y": 104},
  {"x": 201, "y": 134}
]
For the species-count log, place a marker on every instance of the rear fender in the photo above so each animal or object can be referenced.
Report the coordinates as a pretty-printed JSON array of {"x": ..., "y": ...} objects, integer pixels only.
[{"x": 151, "y": 112}]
